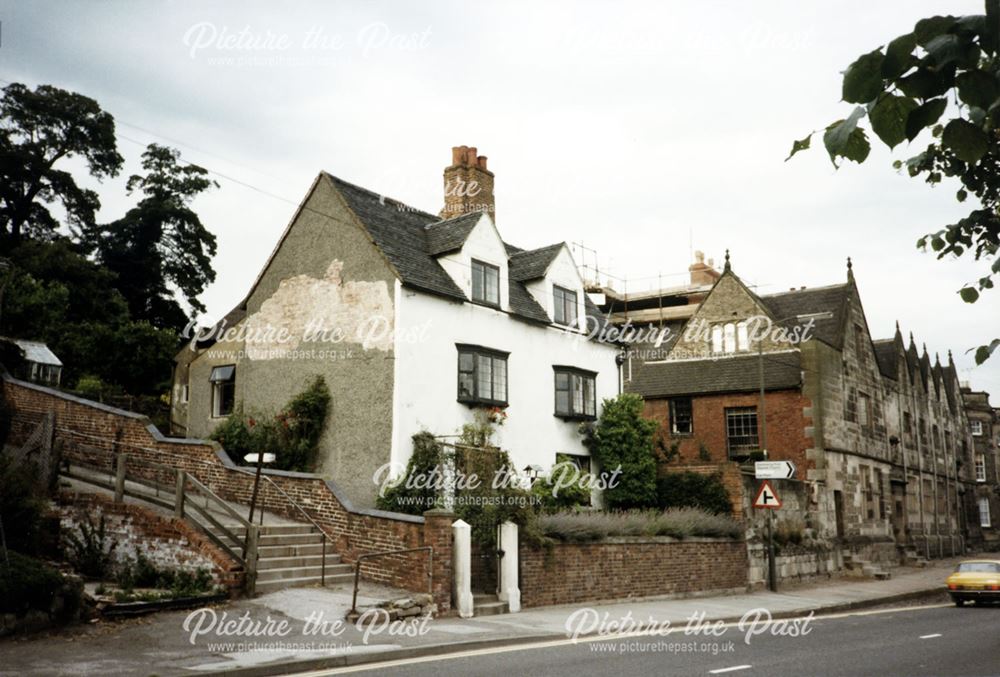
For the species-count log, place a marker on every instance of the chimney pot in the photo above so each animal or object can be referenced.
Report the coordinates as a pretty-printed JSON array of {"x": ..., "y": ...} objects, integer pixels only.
[
  {"x": 458, "y": 154},
  {"x": 482, "y": 161}
]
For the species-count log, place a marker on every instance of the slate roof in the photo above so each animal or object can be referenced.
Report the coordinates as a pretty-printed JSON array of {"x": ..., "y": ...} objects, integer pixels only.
[
  {"x": 36, "y": 351},
  {"x": 832, "y": 299},
  {"x": 782, "y": 371},
  {"x": 447, "y": 236},
  {"x": 885, "y": 355},
  {"x": 410, "y": 238},
  {"x": 532, "y": 264}
]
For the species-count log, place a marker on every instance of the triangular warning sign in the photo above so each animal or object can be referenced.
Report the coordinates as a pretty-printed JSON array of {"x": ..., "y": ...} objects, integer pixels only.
[{"x": 766, "y": 498}]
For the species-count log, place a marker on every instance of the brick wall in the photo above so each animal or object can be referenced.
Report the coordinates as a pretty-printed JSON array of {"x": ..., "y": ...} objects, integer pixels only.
[
  {"x": 786, "y": 427},
  {"x": 167, "y": 542},
  {"x": 625, "y": 568},
  {"x": 93, "y": 433}
]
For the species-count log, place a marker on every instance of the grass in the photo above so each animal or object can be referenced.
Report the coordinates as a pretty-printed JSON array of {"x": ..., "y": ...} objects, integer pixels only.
[{"x": 680, "y": 523}]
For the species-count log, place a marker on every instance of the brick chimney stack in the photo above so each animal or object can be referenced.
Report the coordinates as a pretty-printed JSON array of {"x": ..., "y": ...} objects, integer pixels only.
[
  {"x": 468, "y": 185},
  {"x": 702, "y": 273}
]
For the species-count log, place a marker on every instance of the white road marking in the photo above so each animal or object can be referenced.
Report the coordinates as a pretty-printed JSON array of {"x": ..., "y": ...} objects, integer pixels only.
[
  {"x": 735, "y": 667},
  {"x": 390, "y": 663},
  {"x": 938, "y": 634}
]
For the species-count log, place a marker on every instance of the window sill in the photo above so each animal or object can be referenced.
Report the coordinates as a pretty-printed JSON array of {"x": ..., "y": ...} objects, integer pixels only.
[
  {"x": 674, "y": 433},
  {"x": 486, "y": 304},
  {"x": 575, "y": 417},
  {"x": 477, "y": 404}
]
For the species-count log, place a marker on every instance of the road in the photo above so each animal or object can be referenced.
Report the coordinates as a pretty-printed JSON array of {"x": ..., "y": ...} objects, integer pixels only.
[{"x": 920, "y": 640}]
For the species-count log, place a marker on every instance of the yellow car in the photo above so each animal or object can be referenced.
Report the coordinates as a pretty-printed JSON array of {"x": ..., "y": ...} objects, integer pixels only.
[{"x": 975, "y": 580}]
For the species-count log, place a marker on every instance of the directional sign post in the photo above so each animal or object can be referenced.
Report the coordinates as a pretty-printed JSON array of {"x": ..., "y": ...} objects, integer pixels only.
[
  {"x": 774, "y": 470},
  {"x": 768, "y": 500}
]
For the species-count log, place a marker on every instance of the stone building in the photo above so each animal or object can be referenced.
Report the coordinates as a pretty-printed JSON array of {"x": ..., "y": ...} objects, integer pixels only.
[
  {"x": 982, "y": 500},
  {"x": 414, "y": 320},
  {"x": 876, "y": 429}
]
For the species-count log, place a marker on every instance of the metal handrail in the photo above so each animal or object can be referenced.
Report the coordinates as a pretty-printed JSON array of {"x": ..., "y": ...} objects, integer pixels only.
[
  {"x": 322, "y": 571},
  {"x": 367, "y": 555}
]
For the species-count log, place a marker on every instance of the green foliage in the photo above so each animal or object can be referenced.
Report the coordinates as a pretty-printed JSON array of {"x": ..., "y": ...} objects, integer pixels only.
[
  {"x": 140, "y": 572},
  {"x": 694, "y": 490},
  {"x": 623, "y": 438},
  {"x": 160, "y": 244},
  {"x": 551, "y": 495},
  {"x": 27, "y": 583},
  {"x": 428, "y": 457},
  {"x": 292, "y": 435},
  {"x": 37, "y": 129},
  {"x": 91, "y": 552},
  {"x": 903, "y": 89},
  {"x": 577, "y": 527},
  {"x": 22, "y": 503}
]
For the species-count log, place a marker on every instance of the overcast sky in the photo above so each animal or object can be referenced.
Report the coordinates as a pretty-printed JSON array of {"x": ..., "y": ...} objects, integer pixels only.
[{"x": 643, "y": 130}]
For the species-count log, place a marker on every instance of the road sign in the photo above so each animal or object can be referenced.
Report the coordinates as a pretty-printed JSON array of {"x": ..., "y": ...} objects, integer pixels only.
[
  {"x": 252, "y": 458},
  {"x": 766, "y": 498},
  {"x": 773, "y": 470}
]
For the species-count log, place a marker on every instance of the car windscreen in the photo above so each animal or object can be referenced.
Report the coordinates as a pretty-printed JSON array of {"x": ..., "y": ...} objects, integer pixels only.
[{"x": 979, "y": 567}]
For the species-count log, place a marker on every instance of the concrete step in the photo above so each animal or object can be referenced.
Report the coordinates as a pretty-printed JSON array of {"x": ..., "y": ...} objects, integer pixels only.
[
  {"x": 265, "y": 562},
  {"x": 273, "y": 530},
  {"x": 264, "y": 587},
  {"x": 271, "y": 551},
  {"x": 303, "y": 572},
  {"x": 291, "y": 539},
  {"x": 488, "y": 605}
]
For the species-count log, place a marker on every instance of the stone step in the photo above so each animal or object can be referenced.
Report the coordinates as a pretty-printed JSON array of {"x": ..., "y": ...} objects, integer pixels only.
[
  {"x": 490, "y": 609},
  {"x": 271, "y": 551},
  {"x": 272, "y": 530},
  {"x": 291, "y": 539},
  {"x": 265, "y": 562},
  {"x": 264, "y": 587},
  {"x": 303, "y": 572}
]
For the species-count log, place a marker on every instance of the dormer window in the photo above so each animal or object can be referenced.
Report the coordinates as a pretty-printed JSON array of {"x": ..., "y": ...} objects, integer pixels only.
[
  {"x": 564, "y": 302},
  {"x": 485, "y": 283}
]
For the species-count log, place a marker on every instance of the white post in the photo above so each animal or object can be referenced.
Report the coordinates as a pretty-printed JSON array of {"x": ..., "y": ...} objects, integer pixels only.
[
  {"x": 462, "y": 567},
  {"x": 509, "y": 590}
]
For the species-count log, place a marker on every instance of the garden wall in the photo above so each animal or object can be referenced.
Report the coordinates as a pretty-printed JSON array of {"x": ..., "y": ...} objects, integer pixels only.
[
  {"x": 93, "y": 433},
  {"x": 167, "y": 542},
  {"x": 631, "y": 567}
]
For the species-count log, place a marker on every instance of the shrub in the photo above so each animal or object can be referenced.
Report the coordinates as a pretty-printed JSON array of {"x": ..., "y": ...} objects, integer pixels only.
[
  {"x": 91, "y": 552},
  {"x": 690, "y": 489},
  {"x": 623, "y": 438},
  {"x": 428, "y": 455},
  {"x": 22, "y": 504},
  {"x": 566, "y": 497},
  {"x": 292, "y": 435},
  {"x": 596, "y": 526},
  {"x": 27, "y": 583}
]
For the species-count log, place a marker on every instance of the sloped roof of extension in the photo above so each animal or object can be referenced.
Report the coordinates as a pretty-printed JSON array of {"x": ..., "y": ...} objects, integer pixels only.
[
  {"x": 410, "y": 239},
  {"x": 735, "y": 374},
  {"x": 36, "y": 351},
  {"x": 789, "y": 306}
]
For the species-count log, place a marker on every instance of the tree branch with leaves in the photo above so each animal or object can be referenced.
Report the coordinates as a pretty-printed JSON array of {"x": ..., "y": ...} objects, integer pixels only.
[{"x": 950, "y": 65}]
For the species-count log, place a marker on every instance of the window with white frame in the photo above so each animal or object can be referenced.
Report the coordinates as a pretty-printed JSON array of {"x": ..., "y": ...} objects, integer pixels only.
[
  {"x": 576, "y": 393},
  {"x": 980, "y": 468},
  {"x": 485, "y": 283},
  {"x": 976, "y": 427},
  {"x": 223, "y": 381},
  {"x": 564, "y": 306},
  {"x": 741, "y": 430},
  {"x": 984, "y": 512},
  {"x": 681, "y": 416},
  {"x": 482, "y": 375}
]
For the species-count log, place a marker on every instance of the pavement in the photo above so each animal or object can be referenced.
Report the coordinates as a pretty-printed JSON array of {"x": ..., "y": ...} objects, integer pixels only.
[{"x": 302, "y": 629}]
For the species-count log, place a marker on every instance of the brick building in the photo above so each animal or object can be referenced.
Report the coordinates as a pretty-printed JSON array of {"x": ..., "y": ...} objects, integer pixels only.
[{"x": 877, "y": 430}]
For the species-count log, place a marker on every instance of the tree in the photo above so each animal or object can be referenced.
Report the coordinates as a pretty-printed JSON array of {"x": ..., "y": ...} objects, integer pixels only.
[
  {"x": 161, "y": 243},
  {"x": 903, "y": 88},
  {"x": 38, "y": 129},
  {"x": 623, "y": 438}
]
